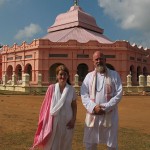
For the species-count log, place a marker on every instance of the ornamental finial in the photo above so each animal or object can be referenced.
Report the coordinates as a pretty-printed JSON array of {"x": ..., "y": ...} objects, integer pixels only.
[{"x": 76, "y": 2}]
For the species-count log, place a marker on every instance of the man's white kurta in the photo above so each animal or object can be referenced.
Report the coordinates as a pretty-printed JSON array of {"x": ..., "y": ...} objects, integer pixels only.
[{"x": 99, "y": 133}]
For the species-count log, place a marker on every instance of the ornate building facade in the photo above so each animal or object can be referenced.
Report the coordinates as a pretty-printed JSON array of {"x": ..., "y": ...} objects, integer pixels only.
[
  {"x": 72, "y": 40},
  {"x": 0, "y": 63}
]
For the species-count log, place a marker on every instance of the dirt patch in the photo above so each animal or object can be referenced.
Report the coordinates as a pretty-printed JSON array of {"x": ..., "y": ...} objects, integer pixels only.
[
  {"x": 19, "y": 117},
  {"x": 134, "y": 112}
]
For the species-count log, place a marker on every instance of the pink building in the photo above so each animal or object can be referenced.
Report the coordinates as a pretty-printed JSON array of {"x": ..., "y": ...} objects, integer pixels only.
[
  {"x": 71, "y": 40},
  {"x": 0, "y": 66}
]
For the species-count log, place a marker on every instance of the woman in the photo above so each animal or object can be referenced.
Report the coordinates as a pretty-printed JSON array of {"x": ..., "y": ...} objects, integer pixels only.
[{"x": 58, "y": 114}]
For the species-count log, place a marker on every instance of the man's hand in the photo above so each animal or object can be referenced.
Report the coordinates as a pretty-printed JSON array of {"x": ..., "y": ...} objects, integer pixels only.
[{"x": 99, "y": 110}]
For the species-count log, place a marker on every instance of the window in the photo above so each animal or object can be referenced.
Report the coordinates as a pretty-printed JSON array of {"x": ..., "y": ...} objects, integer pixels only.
[
  {"x": 132, "y": 58},
  {"x": 18, "y": 57},
  {"x": 82, "y": 56},
  {"x": 28, "y": 56},
  {"x": 58, "y": 55},
  {"x": 10, "y": 58},
  {"x": 110, "y": 56}
]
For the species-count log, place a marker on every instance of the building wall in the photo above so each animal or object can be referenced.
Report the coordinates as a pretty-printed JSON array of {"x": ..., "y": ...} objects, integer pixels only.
[
  {"x": 0, "y": 67},
  {"x": 43, "y": 56}
]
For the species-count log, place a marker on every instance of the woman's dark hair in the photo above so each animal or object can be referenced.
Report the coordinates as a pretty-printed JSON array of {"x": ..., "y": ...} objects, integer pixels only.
[{"x": 65, "y": 69}]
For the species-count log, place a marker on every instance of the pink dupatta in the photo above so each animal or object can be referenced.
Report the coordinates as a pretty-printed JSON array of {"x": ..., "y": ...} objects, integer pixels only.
[{"x": 45, "y": 123}]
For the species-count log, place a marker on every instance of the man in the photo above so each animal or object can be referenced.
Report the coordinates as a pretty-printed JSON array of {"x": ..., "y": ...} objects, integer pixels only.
[{"x": 101, "y": 91}]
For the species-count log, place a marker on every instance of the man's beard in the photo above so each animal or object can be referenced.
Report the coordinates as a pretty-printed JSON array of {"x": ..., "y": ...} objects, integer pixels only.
[{"x": 100, "y": 68}]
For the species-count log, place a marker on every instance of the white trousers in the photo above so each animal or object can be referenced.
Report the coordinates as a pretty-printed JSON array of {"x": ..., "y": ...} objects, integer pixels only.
[{"x": 94, "y": 147}]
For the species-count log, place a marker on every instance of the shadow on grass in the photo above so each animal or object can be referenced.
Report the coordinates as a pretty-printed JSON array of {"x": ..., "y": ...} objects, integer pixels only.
[{"x": 128, "y": 140}]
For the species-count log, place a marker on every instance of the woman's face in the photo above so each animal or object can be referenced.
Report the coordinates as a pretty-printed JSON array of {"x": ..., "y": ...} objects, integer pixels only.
[{"x": 62, "y": 76}]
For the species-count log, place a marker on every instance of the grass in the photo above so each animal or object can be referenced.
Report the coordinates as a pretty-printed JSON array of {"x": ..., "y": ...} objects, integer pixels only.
[
  {"x": 128, "y": 140},
  {"x": 18, "y": 119}
]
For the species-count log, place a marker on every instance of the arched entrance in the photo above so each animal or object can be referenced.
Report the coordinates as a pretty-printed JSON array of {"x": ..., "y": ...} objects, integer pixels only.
[
  {"x": 82, "y": 71},
  {"x": 138, "y": 72},
  {"x": 18, "y": 72},
  {"x": 132, "y": 73},
  {"x": 28, "y": 70},
  {"x": 145, "y": 73},
  {"x": 9, "y": 72}
]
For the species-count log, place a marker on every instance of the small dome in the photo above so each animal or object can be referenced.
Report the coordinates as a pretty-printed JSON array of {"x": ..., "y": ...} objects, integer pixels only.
[{"x": 75, "y": 17}]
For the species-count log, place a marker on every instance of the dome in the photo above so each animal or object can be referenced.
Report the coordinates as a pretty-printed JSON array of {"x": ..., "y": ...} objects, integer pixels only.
[
  {"x": 75, "y": 17},
  {"x": 75, "y": 25}
]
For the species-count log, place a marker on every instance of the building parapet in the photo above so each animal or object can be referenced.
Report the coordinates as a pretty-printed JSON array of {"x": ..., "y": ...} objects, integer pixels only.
[{"x": 25, "y": 86}]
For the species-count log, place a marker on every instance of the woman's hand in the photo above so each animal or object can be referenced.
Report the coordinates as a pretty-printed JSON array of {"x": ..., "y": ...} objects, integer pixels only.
[{"x": 71, "y": 124}]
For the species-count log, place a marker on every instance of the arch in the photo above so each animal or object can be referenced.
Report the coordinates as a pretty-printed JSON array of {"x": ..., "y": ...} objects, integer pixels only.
[
  {"x": 132, "y": 73},
  {"x": 110, "y": 66},
  {"x": 138, "y": 72},
  {"x": 82, "y": 71},
  {"x": 18, "y": 72},
  {"x": 131, "y": 70},
  {"x": 52, "y": 72},
  {"x": 145, "y": 72},
  {"x": 9, "y": 72},
  {"x": 28, "y": 70}
]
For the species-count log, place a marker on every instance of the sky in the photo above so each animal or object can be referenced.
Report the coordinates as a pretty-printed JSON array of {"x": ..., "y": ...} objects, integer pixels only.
[{"x": 26, "y": 20}]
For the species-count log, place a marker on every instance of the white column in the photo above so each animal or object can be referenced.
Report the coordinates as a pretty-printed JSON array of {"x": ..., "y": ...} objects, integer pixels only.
[
  {"x": 129, "y": 82},
  {"x": 39, "y": 79},
  {"x": 141, "y": 80},
  {"x": 148, "y": 80},
  {"x": 13, "y": 79},
  {"x": 25, "y": 79},
  {"x": 76, "y": 80},
  {"x": 4, "y": 79}
]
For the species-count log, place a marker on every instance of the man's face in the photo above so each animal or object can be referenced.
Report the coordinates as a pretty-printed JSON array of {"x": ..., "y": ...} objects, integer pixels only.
[{"x": 99, "y": 62}]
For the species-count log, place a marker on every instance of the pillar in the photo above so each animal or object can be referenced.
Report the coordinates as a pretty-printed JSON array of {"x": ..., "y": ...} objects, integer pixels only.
[
  {"x": 141, "y": 80},
  {"x": 129, "y": 82},
  {"x": 76, "y": 84},
  {"x": 4, "y": 79},
  {"x": 148, "y": 80},
  {"x": 13, "y": 79},
  {"x": 76, "y": 80},
  {"x": 39, "y": 79},
  {"x": 25, "y": 79}
]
